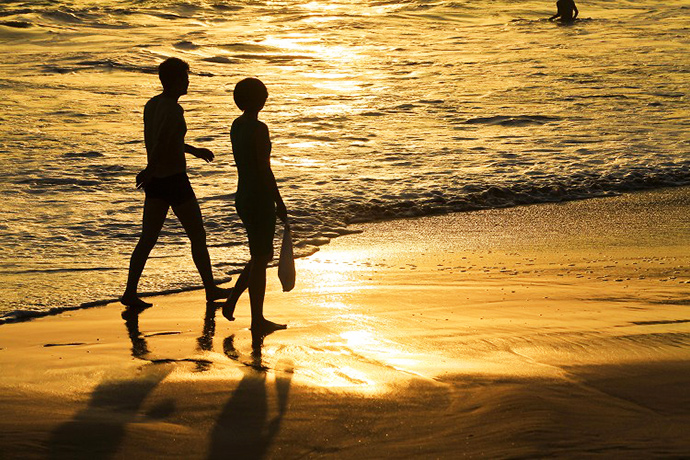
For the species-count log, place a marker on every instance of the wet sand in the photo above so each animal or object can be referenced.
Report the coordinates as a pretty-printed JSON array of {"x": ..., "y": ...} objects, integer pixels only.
[{"x": 546, "y": 330}]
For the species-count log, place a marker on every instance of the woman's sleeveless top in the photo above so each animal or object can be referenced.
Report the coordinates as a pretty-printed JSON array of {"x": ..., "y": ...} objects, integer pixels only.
[{"x": 252, "y": 193}]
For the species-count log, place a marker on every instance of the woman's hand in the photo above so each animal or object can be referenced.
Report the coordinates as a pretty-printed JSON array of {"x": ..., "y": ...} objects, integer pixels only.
[{"x": 281, "y": 212}]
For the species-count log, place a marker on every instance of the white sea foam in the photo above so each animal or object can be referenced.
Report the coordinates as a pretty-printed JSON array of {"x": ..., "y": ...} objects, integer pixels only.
[{"x": 377, "y": 110}]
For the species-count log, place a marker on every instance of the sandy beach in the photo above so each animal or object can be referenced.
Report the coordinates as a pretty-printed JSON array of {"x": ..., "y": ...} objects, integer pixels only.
[{"x": 547, "y": 330}]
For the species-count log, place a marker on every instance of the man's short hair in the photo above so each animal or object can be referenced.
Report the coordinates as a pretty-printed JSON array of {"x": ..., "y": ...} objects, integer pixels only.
[
  {"x": 171, "y": 70},
  {"x": 250, "y": 94}
]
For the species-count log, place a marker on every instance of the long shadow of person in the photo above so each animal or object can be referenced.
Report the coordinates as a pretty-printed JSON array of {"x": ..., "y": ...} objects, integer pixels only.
[
  {"x": 243, "y": 429},
  {"x": 98, "y": 430}
]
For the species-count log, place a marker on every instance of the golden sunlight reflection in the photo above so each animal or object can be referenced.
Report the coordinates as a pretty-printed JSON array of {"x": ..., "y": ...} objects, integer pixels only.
[
  {"x": 388, "y": 353},
  {"x": 347, "y": 86},
  {"x": 340, "y": 260},
  {"x": 358, "y": 338},
  {"x": 321, "y": 19},
  {"x": 355, "y": 360},
  {"x": 346, "y": 7},
  {"x": 336, "y": 274},
  {"x": 359, "y": 351},
  {"x": 342, "y": 306},
  {"x": 308, "y": 45},
  {"x": 340, "y": 109},
  {"x": 306, "y": 145},
  {"x": 294, "y": 160},
  {"x": 345, "y": 82},
  {"x": 319, "y": 7}
]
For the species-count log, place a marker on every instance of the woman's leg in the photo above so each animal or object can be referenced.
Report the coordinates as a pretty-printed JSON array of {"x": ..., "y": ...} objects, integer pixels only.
[
  {"x": 240, "y": 287},
  {"x": 257, "y": 289},
  {"x": 257, "y": 292},
  {"x": 260, "y": 231}
]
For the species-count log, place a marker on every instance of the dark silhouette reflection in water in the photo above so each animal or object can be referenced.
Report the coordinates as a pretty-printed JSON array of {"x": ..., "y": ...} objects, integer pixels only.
[
  {"x": 140, "y": 348},
  {"x": 131, "y": 317},
  {"x": 243, "y": 429},
  {"x": 98, "y": 430},
  {"x": 205, "y": 340}
]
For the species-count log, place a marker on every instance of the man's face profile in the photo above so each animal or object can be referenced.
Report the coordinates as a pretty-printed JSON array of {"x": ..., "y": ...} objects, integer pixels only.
[{"x": 184, "y": 84}]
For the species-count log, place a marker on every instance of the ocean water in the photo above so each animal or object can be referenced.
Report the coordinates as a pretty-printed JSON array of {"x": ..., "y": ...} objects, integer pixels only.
[{"x": 377, "y": 109}]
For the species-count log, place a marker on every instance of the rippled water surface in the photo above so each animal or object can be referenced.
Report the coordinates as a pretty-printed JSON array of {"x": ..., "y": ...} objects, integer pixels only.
[{"x": 377, "y": 109}]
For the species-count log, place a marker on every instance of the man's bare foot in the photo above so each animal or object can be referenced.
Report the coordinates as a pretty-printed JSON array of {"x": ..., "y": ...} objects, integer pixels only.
[
  {"x": 134, "y": 302},
  {"x": 265, "y": 326},
  {"x": 217, "y": 293}
]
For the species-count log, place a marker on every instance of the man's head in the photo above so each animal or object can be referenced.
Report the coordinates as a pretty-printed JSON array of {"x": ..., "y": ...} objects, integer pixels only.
[
  {"x": 250, "y": 95},
  {"x": 173, "y": 73}
]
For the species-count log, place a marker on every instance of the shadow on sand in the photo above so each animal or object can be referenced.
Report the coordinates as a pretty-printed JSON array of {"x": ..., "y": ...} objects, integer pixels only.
[{"x": 243, "y": 429}]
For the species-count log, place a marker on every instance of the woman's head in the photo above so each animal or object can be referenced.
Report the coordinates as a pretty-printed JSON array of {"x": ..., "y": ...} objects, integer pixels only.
[{"x": 250, "y": 95}]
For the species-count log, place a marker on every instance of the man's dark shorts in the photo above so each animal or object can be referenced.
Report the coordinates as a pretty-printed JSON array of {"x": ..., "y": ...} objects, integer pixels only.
[
  {"x": 260, "y": 223},
  {"x": 174, "y": 189}
]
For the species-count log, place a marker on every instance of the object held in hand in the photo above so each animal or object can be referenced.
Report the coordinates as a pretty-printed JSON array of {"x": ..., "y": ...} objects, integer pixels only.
[
  {"x": 143, "y": 178},
  {"x": 286, "y": 263}
]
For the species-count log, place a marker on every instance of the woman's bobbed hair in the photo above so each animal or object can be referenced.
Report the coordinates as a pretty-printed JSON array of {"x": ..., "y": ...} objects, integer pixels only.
[{"x": 250, "y": 94}]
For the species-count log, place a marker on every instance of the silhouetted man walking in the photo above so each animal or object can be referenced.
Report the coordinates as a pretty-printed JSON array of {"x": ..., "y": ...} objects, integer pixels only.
[{"x": 166, "y": 183}]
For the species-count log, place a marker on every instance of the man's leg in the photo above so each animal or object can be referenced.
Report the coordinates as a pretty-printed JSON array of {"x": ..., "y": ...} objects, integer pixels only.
[
  {"x": 155, "y": 211},
  {"x": 189, "y": 214}
]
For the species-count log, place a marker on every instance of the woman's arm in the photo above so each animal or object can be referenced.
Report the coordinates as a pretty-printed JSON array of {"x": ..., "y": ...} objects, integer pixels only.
[{"x": 263, "y": 153}]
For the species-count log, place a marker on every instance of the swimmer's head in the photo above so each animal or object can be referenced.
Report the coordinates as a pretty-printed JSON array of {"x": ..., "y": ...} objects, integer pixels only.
[
  {"x": 173, "y": 73},
  {"x": 250, "y": 95}
]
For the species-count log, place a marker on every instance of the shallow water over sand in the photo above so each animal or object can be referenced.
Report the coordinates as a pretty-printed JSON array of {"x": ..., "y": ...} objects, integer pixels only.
[{"x": 377, "y": 110}]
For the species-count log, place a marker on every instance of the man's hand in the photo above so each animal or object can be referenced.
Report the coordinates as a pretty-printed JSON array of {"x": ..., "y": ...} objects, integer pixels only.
[
  {"x": 204, "y": 154},
  {"x": 144, "y": 178}
]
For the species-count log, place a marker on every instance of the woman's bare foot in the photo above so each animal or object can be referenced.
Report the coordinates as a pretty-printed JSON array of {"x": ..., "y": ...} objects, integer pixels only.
[
  {"x": 229, "y": 310},
  {"x": 229, "y": 348},
  {"x": 217, "y": 293},
  {"x": 132, "y": 301},
  {"x": 264, "y": 326},
  {"x": 231, "y": 303}
]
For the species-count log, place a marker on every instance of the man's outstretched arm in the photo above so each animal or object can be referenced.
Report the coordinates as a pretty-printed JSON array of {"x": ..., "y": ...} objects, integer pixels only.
[{"x": 204, "y": 154}]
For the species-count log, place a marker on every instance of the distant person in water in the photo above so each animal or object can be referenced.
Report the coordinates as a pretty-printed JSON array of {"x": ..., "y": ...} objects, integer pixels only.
[
  {"x": 166, "y": 183},
  {"x": 567, "y": 11},
  {"x": 257, "y": 200}
]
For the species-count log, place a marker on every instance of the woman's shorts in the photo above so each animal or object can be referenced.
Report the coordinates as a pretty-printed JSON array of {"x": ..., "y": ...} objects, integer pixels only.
[
  {"x": 174, "y": 189},
  {"x": 260, "y": 224}
]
